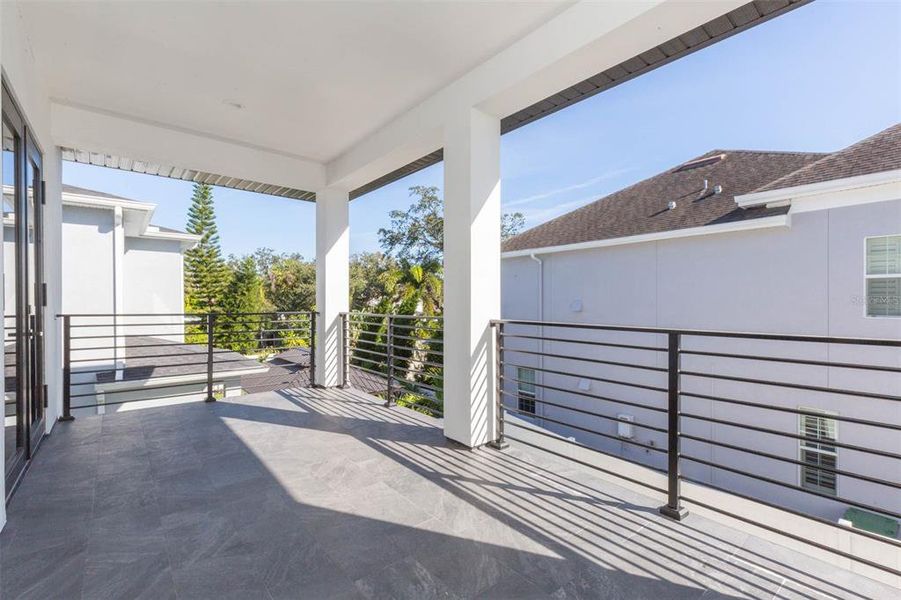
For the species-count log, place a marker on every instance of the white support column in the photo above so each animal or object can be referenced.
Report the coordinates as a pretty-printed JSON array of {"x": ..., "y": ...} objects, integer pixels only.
[
  {"x": 472, "y": 224},
  {"x": 332, "y": 282}
]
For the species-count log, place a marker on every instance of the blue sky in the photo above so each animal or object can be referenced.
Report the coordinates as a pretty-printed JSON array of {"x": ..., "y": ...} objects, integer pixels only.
[{"x": 817, "y": 79}]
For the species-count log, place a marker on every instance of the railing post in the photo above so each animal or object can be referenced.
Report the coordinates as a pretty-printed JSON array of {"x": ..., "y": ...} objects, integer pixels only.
[
  {"x": 672, "y": 508},
  {"x": 67, "y": 370},
  {"x": 210, "y": 331},
  {"x": 499, "y": 443},
  {"x": 312, "y": 348},
  {"x": 389, "y": 351},
  {"x": 345, "y": 350}
]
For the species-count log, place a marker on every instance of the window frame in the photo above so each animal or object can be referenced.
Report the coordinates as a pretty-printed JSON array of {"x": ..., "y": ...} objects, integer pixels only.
[
  {"x": 525, "y": 395},
  {"x": 867, "y": 277},
  {"x": 806, "y": 413}
]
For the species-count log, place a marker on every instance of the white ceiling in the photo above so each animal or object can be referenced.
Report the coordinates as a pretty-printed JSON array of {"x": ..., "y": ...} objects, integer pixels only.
[{"x": 311, "y": 78}]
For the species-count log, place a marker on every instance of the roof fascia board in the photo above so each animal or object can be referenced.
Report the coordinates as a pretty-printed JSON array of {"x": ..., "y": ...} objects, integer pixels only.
[
  {"x": 749, "y": 225},
  {"x": 802, "y": 192}
]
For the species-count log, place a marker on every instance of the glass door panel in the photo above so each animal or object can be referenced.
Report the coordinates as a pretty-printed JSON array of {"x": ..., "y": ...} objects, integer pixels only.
[
  {"x": 34, "y": 313},
  {"x": 14, "y": 403}
]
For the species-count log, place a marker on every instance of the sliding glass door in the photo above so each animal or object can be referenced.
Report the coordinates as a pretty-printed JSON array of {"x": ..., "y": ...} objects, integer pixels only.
[{"x": 24, "y": 395}]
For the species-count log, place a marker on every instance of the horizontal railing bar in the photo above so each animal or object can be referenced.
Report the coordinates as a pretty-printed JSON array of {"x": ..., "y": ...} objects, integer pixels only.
[
  {"x": 586, "y": 394},
  {"x": 589, "y": 342},
  {"x": 396, "y": 316},
  {"x": 146, "y": 356},
  {"x": 791, "y": 486},
  {"x": 196, "y": 314},
  {"x": 113, "y": 369},
  {"x": 417, "y": 384},
  {"x": 434, "y": 411},
  {"x": 642, "y": 386},
  {"x": 581, "y": 462},
  {"x": 794, "y": 361},
  {"x": 783, "y": 532},
  {"x": 198, "y": 323},
  {"x": 580, "y": 428},
  {"x": 117, "y": 402},
  {"x": 585, "y": 412},
  {"x": 706, "y": 333},
  {"x": 133, "y": 346},
  {"x": 413, "y": 371},
  {"x": 366, "y": 350},
  {"x": 794, "y": 411},
  {"x": 596, "y": 361},
  {"x": 427, "y": 340},
  {"x": 793, "y": 386},
  {"x": 404, "y": 390},
  {"x": 278, "y": 348},
  {"x": 794, "y": 461},
  {"x": 376, "y": 373},
  {"x": 794, "y": 436},
  {"x": 133, "y": 335},
  {"x": 257, "y": 331},
  {"x": 202, "y": 383},
  {"x": 421, "y": 350}
]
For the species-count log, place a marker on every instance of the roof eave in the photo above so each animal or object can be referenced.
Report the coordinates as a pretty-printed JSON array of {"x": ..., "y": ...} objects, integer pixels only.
[
  {"x": 786, "y": 195},
  {"x": 746, "y": 225}
]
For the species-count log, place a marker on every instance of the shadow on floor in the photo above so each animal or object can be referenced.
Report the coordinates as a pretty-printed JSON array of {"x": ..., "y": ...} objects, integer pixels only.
[{"x": 325, "y": 494}]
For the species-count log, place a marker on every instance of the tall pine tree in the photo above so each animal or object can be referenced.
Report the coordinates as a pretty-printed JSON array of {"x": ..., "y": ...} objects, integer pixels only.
[{"x": 206, "y": 274}]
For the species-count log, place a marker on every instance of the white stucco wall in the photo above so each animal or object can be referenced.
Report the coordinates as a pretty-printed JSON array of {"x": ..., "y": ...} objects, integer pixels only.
[
  {"x": 88, "y": 258},
  {"x": 806, "y": 279}
]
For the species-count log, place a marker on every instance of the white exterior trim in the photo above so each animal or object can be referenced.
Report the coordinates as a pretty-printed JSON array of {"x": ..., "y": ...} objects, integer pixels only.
[
  {"x": 751, "y": 224},
  {"x": 886, "y": 182}
]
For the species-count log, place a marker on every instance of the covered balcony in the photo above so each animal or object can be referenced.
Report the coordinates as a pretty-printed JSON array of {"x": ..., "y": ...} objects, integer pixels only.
[
  {"x": 375, "y": 458},
  {"x": 313, "y": 493}
]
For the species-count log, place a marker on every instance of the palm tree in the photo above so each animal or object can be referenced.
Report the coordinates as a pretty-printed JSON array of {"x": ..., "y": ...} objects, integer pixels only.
[{"x": 414, "y": 289}]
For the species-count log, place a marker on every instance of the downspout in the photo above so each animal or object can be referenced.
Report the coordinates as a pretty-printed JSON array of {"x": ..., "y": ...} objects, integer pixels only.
[{"x": 540, "y": 374}]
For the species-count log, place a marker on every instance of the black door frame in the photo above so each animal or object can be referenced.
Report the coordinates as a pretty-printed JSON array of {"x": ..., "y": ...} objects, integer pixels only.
[{"x": 29, "y": 317}]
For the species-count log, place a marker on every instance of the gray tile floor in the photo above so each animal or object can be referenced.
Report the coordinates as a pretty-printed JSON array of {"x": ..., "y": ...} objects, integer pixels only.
[{"x": 325, "y": 494}]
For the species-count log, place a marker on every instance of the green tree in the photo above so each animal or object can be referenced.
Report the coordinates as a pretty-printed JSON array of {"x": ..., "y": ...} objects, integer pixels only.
[
  {"x": 290, "y": 281},
  {"x": 206, "y": 274},
  {"x": 243, "y": 294},
  {"x": 367, "y": 288},
  {"x": 416, "y": 235},
  {"x": 512, "y": 224},
  {"x": 414, "y": 289}
]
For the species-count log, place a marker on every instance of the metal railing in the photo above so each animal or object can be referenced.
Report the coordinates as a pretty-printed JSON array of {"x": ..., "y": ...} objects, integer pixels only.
[
  {"x": 751, "y": 415},
  {"x": 397, "y": 357},
  {"x": 111, "y": 360}
]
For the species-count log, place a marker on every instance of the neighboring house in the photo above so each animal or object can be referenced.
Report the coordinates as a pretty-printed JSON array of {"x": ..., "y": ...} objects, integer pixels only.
[
  {"x": 780, "y": 242},
  {"x": 116, "y": 262}
]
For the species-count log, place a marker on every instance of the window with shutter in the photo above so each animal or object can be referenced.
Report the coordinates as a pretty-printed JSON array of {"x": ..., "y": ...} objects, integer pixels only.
[
  {"x": 818, "y": 454},
  {"x": 883, "y": 276}
]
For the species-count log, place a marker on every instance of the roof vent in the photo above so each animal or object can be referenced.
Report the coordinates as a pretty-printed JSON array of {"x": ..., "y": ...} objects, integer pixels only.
[
  {"x": 700, "y": 162},
  {"x": 671, "y": 205}
]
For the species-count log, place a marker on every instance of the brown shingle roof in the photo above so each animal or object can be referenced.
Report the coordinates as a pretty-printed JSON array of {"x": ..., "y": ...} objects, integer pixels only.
[
  {"x": 875, "y": 154},
  {"x": 643, "y": 207}
]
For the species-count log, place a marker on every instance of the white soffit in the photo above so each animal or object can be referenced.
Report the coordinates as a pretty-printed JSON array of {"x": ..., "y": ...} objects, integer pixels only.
[
  {"x": 149, "y": 168},
  {"x": 308, "y": 79}
]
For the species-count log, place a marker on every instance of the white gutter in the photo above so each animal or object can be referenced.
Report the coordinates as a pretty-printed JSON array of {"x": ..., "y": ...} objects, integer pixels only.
[
  {"x": 783, "y": 196},
  {"x": 750, "y": 224}
]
